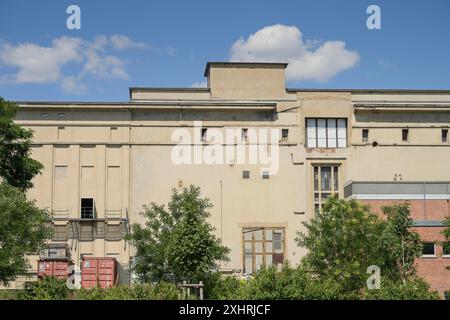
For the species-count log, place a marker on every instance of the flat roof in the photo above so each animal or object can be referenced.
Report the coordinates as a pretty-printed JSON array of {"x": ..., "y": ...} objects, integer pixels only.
[
  {"x": 243, "y": 64},
  {"x": 368, "y": 91}
]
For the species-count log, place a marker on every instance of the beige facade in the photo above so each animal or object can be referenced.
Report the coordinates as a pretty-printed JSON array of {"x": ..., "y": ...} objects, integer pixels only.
[{"x": 119, "y": 155}]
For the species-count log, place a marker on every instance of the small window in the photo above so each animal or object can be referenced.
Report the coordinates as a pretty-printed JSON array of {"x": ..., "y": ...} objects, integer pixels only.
[
  {"x": 405, "y": 133},
  {"x": 365, "y": 135},
  {"x": 61, "y": 114},
  {"x": 44, "y": 115},
  {"x": 244, "y": 134},
  {"x": 204, "y": 132},
  {"x": 428, "y": 249},
  {"x": 446, "y": 249},
  {"x": 265, "y": 175},
  {"x": 284, "y": 135},
  {"x": 87, "y": 208},
  {"x": 246, "y": 174},
  {"x": 444, "y": 135}
]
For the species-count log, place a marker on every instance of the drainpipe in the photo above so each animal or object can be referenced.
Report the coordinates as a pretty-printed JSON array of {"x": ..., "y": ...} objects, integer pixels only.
[{"x": 221, "y": 211}]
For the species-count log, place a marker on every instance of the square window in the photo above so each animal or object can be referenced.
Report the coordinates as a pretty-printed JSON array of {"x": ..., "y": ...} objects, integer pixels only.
[
  {"x": 246, "y": 174},
  {"x": 428, "y": 249},
  {"x": 265, "y": 175}
]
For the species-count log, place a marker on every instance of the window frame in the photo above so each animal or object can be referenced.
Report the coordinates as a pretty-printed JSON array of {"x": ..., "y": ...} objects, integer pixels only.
[
  {"x": 429, "y": 255},
  {"x": 336, "y": 139},
  {"x": 365, "y": 138},
  {"x": 335, "y": 187},
  {"x": 264, "y": 253}
]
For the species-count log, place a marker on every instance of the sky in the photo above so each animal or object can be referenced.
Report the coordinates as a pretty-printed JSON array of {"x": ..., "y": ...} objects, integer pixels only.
[{"x": 167, "y": 43}]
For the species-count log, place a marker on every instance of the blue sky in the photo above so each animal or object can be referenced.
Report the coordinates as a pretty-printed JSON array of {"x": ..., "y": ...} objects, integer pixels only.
[{"x": 167, "y": 43}]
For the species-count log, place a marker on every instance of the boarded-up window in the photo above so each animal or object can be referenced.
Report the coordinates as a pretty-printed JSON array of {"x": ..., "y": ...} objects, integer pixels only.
[
  {"x": 262, "y": 247},
  {"x": 61, "y": 190},
  {"x": 114, "y": 188}
]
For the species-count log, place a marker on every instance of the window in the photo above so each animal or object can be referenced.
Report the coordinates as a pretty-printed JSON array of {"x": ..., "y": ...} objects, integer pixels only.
[
  {"x": 265, "y": 175},
  {"x": 405, "y": 133},
  {"x": 444, "y": 135},
  {"x": 87, "y": 208},
  {"x": 204, "y": 132},
  {"x": 326, "y": 133},
  {"x": 428, "y": 249},
  {"x": 263, "y": 247},
  {"x": 446, "y": 249},
  {"x": 284, "y": 135},
  {"x": 365, "y": 135},
  {"x": 244, "y": 134},
  {"x": 246, "y": 174},
  {"x": 326, "y": 184}
]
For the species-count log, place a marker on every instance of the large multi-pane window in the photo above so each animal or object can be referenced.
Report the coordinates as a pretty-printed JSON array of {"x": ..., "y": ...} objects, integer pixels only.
[
  {"x": 326, "y": 184},
  {"x": 262, "y": 247},
  {"x": 326, "y": 133}
]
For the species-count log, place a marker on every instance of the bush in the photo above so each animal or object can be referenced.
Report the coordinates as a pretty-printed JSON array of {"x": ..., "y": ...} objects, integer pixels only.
[
  {"x": 48, "y": 288},
  {"x": 270, "y": 284},
  {"x": 159, "y": 291},
  {"x": 413, "y": 289}
]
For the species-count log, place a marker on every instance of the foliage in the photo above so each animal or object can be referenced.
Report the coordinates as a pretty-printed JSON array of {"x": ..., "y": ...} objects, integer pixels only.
[
  {"x": 177, "y": 243},
  {"x": 342, "y": 241},
  {"x": 158, "y": 291},
  {"x": 219, "y": 287},
  {"x": 412, "y": 289},
  {"x": 23, "y": 230},
  {"x": 16, "y": 166},
  {"x": 400, "y": 244},
  {"x": 48, "y": 288}
]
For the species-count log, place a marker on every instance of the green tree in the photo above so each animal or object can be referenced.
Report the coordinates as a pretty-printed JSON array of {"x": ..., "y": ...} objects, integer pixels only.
[
  {"x": 401, "y": 245},
  {"x": 23, "y": 229},
  {"x": 16, "y": 166},
  {"x": 342, "y": 241},
  {"x": 177, "y": 243}
]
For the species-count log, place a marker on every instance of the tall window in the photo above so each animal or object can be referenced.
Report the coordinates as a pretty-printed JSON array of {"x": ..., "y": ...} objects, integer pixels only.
[
  {"x": 405, "y": 133},
  {"x": 326, "y": 184},
  {"x": 326, "y": 133},
  {"x": 263, "y": 247}
]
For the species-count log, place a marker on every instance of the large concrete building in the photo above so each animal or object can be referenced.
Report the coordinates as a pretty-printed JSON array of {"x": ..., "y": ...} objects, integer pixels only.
[{"x": 104, "y": 161}]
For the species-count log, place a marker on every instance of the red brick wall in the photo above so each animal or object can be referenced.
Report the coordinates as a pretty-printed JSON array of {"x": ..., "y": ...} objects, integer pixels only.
[
  {"x": 420, "y": 209},
  {"x": 432, "y": 269}
]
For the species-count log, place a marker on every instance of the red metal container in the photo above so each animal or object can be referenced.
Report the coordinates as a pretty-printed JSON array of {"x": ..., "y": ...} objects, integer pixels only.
[
  {"x": 53, "y": 268},
  {"x": 100, "y": 272}
]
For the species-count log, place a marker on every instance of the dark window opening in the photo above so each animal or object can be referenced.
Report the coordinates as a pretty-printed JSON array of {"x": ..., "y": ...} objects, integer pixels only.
[
  {"x": 265, "y": 175},
  {"x": 87, "y": 208},
  {"x": 246, "y": 174},
  {"x": 204, "y": 131},
  {"x": 444, "y": 134},
  {"x": 428, "y": 249},
  {"x": 405, "y": 133},
  {"x": 284, "y": 134},
  {"x": 365, "y": 135}
]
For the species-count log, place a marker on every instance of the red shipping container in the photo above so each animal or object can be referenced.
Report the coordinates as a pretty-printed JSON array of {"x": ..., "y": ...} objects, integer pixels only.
[
  {"x": 53, "y": 268},
  {"x": 100, "y": 272}
]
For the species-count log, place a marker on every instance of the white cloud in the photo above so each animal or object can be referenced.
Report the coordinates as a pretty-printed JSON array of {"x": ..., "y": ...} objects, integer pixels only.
[
  {"x": 308, "y": 59},
  {"x": 44, "y": 64},
  {"x": 121, "y": 42},
  {"x": 201, "y": 84}
]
